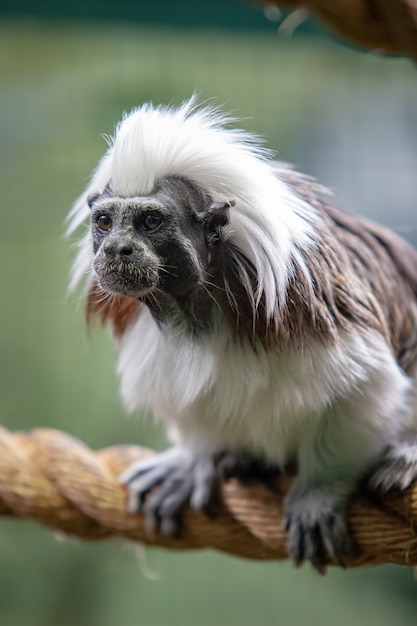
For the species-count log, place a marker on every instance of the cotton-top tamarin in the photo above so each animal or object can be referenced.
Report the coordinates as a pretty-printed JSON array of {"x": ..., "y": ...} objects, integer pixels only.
[{"x": 252, "y": 318}]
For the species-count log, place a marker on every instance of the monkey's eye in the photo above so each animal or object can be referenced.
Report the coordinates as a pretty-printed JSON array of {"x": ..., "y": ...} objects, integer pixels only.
[
  {"x": 151, "y": 222},
  {"x": 104, "y": 222}
]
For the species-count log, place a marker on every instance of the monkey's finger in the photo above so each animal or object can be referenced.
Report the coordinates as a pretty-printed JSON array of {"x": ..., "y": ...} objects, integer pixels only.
[
  {"x": 173, "y": 495},
  {"x": 295, "y": 541},
  {"x": 170, "y": 526},
  {"x": 139, "y": 487},
  {"x": 175, "y": 501},
  {"x": 314, "y": 548},
  {"x": 204, "y": 484},
  {"x": 337, "y": 540},
  {"x": 137, "y": 468},
  {"x": 162, "y": 507}
]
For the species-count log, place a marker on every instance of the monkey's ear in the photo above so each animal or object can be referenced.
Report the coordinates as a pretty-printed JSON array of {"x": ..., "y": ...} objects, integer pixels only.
[
  {"x": 216, "y": 218},
  {"x": 91, "y": 198},
  {"x": 95, "y": 195}
]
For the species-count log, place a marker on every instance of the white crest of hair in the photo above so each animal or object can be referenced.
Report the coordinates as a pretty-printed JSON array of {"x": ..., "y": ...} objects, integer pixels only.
[{"x": 269, "y": 223}]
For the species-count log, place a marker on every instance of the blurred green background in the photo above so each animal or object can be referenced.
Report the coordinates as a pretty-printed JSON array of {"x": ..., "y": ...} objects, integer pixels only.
[{"x": 343, "y": 115}]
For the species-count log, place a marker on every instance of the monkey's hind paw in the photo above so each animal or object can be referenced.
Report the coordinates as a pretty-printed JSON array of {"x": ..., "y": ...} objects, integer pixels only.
[
  {"x": 160, "y": 487},
  {"x": 397, "y": 468},
  {"x": 317, "y": 530}
]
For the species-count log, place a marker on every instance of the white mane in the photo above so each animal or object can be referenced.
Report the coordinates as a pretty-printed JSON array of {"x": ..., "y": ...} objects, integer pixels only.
[{"x": 269, "y": 224}]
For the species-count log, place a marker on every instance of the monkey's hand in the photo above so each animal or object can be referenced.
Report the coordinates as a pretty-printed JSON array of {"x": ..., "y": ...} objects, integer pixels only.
[
  {"x": 316, "y": 526},
  {"x": 160, "y": 487},
  {"x": 397, "y": 468}
]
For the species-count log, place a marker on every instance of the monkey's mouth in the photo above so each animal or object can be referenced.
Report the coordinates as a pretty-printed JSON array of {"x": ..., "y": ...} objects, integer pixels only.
[{"x": 126, "y": 279}]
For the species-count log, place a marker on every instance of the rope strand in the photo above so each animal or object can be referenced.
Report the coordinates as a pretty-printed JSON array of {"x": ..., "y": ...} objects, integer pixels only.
[{"x": 56, "y": 480}]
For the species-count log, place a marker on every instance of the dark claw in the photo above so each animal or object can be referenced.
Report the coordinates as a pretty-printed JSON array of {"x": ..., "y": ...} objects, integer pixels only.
[
  {"x": 314, "y": 549},
  {"x": 298, "y": 542},
  {"x": 170, "y": 527}
]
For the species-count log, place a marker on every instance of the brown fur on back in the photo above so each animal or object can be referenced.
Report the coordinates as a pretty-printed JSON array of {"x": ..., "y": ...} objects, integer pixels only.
[{"x": 373, "y": 271}]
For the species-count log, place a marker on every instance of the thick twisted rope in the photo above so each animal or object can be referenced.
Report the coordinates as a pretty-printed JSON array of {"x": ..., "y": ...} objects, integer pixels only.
[
  {"x": 388, "y": 25},
  {"x": 58, "y": 481}
]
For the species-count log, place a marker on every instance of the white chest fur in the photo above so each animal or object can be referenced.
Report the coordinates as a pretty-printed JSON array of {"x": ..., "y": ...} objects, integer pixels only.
[{"x": 219, "y": 395}]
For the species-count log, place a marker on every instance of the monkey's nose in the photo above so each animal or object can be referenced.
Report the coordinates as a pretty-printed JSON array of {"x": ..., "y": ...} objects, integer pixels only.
[
  {"x": 122, "y": 250},
  {"x": 126, "y": 251}
]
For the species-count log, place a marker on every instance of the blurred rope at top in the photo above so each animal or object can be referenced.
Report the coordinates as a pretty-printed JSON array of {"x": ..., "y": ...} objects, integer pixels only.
[{"x": 387, "y": 25}]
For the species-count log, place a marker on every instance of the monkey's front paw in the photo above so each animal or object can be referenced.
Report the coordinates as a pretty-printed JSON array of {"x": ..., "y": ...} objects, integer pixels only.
[
  {"x": 397, "y": 468},
  {"x": 161, "y": 486},
  {"x": 317, "y": 530}
]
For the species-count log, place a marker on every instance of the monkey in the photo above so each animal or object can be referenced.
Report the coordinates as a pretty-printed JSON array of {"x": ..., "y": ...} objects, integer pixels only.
[{"x": 256, "y": 321}]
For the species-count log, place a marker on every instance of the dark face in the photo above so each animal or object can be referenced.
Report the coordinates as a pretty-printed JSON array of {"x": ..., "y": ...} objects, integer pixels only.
[{"x": 158, "y": 245}]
